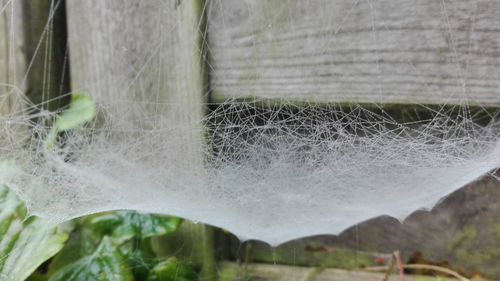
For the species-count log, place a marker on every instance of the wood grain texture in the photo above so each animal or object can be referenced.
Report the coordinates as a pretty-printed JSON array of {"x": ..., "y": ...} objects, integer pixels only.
[
  {"x": 12, "y": 68},
  {"x": 269, "y": 272},
  {"x": 144, "y": 54},
  {"x": 365, "y": 51},
  {"x": 12, "y": 63},
  {"x": 143, "y": 59}
]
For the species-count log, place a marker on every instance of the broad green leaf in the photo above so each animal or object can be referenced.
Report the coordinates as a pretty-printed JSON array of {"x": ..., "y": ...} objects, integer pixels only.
[
  {"x": 25, "y": 244},
  {"x": 83, "y": 242},
  {"x": 37, "y": 277},
  {"x": 35, "y": 243},
  {"x": 81, "y": 110},
  {"x": 141, "y": 261},
  {"x": 127, "y": 230},
  {"x": 144, "y": 226},
  {"x": 104, "y": 223},
  {"x": 129, "y": 224},
  {"x": 105, "y": 264},
  {"x": 172, "y": 270}
]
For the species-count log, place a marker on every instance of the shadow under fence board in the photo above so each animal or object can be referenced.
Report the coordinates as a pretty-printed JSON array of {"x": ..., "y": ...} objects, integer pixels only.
[
  {"x": 426, "y": 51},
  {"x": 46, "y": 52}
]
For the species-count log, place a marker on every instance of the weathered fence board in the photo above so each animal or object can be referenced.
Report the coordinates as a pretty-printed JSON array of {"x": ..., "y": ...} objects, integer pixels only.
[
  {"x": 410, "y": 51},
  {"x": 12, "y": 69},
  {"x": 269, "y": 272},
  {"x": 385, "y": 51},
  {"x": 149, "y": 52},
  {"x": 12, "y": 65}
]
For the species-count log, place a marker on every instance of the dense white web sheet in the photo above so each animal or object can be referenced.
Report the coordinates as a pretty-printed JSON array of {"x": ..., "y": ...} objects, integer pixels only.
[
  {"x": 268, "y": 173},
  {"x": 269, "y": 170}
]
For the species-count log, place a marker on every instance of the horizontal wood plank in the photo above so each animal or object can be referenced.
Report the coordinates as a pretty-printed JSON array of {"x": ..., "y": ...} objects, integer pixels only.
[
  {"x": 269, "y": 272},
  {"x": 409, "y": 51}
]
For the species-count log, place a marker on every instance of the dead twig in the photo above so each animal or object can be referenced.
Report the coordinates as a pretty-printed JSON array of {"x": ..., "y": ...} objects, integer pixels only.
[
  {"x": 395, "y": 260},
  {"x": 422, "y": 266},
  {"x": 390, "y": 269},
  {"x": 397, "y": 257}
]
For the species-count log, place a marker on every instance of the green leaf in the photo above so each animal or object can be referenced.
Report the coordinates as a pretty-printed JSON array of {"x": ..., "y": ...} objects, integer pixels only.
[
  {"x": 141, "y": 261},
  {"x": 25, "y": 244},
  {"x": 172, "y": 270},
  {"x": 34, "y": 244},
  {"x": 82, "y": 242},
  {"x": 129, "y": 224},
  {"x": 81, "y": 110},
  {"x": 127, "y": 230},
  {"x": 37, "y": 277},
  {"x": 103, "y": 223},
  {"x": 105, "y": 264}
]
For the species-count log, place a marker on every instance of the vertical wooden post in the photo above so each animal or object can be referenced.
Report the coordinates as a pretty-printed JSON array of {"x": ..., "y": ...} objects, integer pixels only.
[
  {"x": 12, "y": 68},
  {"x": 12, "y": 65},
  {"x": 149, "y": 52}
]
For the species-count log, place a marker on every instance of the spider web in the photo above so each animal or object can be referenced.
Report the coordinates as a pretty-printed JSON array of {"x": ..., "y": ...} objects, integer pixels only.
[{"x": 270, "y": 167}]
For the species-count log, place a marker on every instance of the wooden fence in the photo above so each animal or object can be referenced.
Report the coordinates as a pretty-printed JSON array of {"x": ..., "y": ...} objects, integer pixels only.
[{"x": 191, "y": 52}]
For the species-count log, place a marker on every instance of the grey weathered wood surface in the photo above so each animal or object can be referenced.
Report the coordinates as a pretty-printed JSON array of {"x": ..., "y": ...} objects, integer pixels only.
[
  {"x": 12, "y": 69},
  {"x": 148, "y": 52},
  {"x": 12, "y": 62},
  {"x": 270, "y": 272},
  {"x": 410, "y": 51},
  {"x": 384, "y": 51}
]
